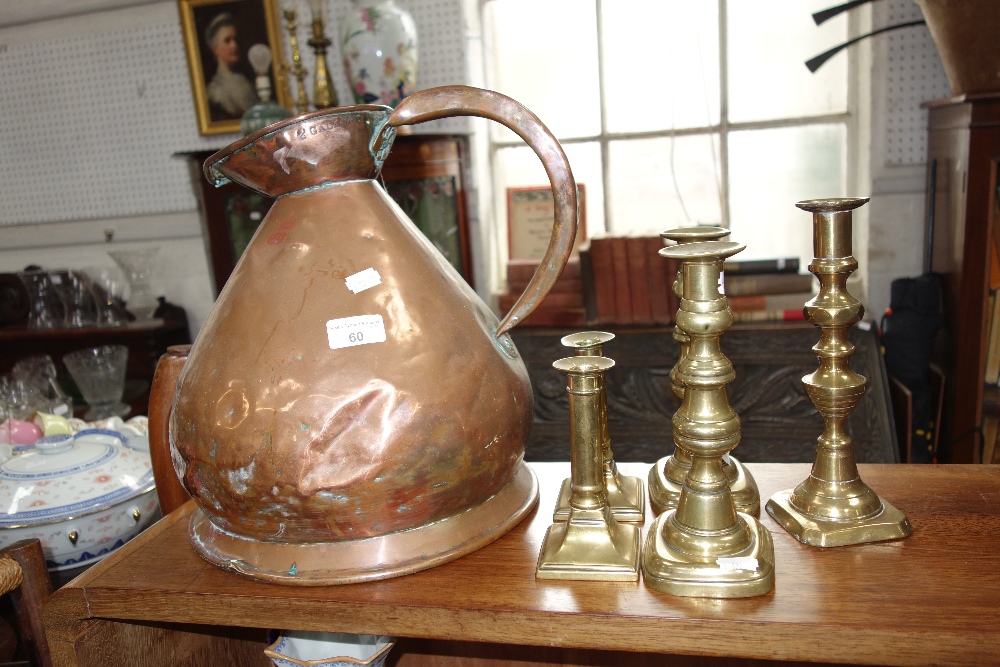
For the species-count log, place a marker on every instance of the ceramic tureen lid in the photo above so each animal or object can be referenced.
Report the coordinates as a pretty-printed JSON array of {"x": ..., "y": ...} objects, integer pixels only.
[{"x": 65, "y": 476}]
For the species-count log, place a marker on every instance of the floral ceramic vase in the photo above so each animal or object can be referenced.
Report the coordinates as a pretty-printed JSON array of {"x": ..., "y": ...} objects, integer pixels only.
[{"x": 379, "y": 45}]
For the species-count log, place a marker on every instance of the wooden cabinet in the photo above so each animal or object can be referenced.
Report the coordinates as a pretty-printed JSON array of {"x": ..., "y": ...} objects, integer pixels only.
[
  {"x": 427, "y": 175},
  {"x": 963, "y": 153},
  {"x": 780, "y": 424},
  {"x": 928, "y": 599}
]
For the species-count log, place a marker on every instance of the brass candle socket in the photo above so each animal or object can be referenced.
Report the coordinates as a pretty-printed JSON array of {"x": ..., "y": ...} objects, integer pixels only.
[
  {"x": 666, "y": 477},
  {"x": 591, "y": 544},
  {"x": 302, "y": 102},
  {"x": 704, "y": 547},
  {"x": 834, "y": 507},
  {"x": 625, "y": 494},
  {"x": 324, "y": 94}
]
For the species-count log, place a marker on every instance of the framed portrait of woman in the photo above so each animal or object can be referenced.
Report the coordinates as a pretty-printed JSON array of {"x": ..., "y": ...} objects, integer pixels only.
[{"x": 217, "y": 36}]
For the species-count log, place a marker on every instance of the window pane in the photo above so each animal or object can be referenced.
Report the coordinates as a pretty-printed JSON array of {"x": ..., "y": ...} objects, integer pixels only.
[
  {"x": 767, "y": 75},
  {"x": 657, "y": 184},
  {"x": 519, "y": 167},
  {"x": 770, "y": 170},
  {"x": 661, "y": 64},
  {"x": 544, "y": 55}
]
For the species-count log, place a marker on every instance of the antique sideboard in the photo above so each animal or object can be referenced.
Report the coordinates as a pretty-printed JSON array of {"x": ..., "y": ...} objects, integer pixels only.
[{"x": 927, "y": 599}]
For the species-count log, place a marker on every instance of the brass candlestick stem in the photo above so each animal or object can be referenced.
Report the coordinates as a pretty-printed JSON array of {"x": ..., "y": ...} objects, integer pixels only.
[
  {"x": 666, "y": 477},
  {"x": 302, "y": 103},
  {"x": 591, "y": 544},
  {"x": 324, "y": 94},
  {"x": 705, "y": 548},
  {"x": 833, "y": 507},
  {"x": 625, "y": 494}
]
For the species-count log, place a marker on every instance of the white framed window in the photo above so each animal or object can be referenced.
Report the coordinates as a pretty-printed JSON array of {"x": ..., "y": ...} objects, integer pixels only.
[{"x": 676, "y": 112}]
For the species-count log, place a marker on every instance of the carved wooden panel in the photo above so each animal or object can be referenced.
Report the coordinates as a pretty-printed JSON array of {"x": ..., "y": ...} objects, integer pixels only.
[{"x": 780, "y": 424}]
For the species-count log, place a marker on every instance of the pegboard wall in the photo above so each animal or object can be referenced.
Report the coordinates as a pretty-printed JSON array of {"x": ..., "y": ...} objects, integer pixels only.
[
  {"x": 915, "y": 75},
  {"x": 90, "y": 124}
]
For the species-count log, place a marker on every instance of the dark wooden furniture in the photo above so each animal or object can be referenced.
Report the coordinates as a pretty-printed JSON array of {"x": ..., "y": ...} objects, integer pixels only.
[
  {"x": 780, "y": 424},
  {"x": 963, "y": 150},
  {"x": 29, "y": 597},
  {"x": 425, "y": 174},
  {"x": 145, "y": 339},
  {"x": 928, "y": 599}
]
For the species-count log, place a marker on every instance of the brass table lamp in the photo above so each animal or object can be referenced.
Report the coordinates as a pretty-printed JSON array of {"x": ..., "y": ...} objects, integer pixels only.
[
  {"x": 591, "y": 544},
  {"x": 666, "y": 477},
  {"x": 625, "y": 494},
  {"x": 834, "y": 507},
  {"x": 704, "y": 547}
]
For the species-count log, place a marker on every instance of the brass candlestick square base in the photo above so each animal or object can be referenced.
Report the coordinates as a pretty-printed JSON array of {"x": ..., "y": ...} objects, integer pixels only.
[
  {"x": 590, "y": 546},
  {"x": 817, "y": 531},
  {"x": 670, "y": 571},
  {"x": 664, "y": 492},
  {"x": 626, "y": 499}
]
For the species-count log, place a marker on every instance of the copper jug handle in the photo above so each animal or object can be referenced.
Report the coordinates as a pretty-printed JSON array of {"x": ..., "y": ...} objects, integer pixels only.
[{"x": 449, "y": 101}]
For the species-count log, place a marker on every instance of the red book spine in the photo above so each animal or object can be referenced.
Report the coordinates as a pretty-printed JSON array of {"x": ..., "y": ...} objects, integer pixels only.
[
  {"x": 622, "y": 284},
  {"x": 661, "y": 290},
  {"x": 638, "y": 277},
  {"x": 604, "y": 279}
]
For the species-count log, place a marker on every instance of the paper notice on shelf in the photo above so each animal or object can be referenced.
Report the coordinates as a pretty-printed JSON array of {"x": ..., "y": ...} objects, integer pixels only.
[
  {"x": 362, "y": 280},
  {"x": 744, "y": 563},
  {"x": 357, "y": 330}
]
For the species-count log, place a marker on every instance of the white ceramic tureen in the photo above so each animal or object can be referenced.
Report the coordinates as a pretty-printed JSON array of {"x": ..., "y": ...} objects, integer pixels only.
[{"x": 82, "y": 495}]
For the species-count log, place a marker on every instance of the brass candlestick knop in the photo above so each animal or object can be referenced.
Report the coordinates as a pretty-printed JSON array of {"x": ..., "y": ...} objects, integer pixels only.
[
  {"x": 324, "y": 94},
  {"x": 666, "y": 477},
  {"x": 834, "y": 507},
  {"x": 591, "y": 544},
  {"x": 704, "y": 547},
  {"x": 302, "y": 103},
  {"x": 625, "y": 494}
]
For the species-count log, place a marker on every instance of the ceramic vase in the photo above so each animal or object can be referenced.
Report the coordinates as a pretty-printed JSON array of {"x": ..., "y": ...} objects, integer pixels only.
[{"x": 379, "y": 46}]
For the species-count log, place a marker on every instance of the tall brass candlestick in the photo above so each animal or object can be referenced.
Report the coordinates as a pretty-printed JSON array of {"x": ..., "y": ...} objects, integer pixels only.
[
  {"x": 302, "y": 103},
  {"x": 705, "y": 548},
  {"x": 625, "y": 494},
  {"x": 666, "y": 477},
  {"x": 591, "y": 544},
  {"x": 833, "y": 507},
  {"x": 324, "y": 94}
]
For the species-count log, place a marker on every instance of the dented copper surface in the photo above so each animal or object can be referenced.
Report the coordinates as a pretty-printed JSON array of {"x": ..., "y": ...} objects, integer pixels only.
[{"x": 284, "y": 439}]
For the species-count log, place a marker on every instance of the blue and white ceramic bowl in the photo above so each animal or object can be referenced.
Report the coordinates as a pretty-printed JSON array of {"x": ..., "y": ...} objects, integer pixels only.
[
  {"x": 81, "y": 495},
  {"x": 328, "y": 649}
]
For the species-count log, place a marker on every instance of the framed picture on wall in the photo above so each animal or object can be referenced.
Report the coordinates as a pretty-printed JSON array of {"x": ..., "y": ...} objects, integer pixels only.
[{"x": 217, "y": 36}]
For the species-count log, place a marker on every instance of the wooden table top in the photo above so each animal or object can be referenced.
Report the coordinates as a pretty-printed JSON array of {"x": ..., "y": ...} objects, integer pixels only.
[{"x": 928, "y": 599}]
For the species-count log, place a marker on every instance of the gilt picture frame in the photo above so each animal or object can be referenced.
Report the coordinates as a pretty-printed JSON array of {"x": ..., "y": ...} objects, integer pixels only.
[{"x": 217, "y": 36}]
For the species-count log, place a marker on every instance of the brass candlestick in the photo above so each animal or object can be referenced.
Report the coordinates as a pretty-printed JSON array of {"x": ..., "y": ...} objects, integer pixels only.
[
  {"x": 324, "y": 94},
  {"x": 705, "y": 548},
  {"x": 591, "y": 544},
  {"x": 833, "y": 507},
  {"x": 625, "y": 494},
  {"x": 666, "y": 477},
  {"x": 302, "y": 103}
]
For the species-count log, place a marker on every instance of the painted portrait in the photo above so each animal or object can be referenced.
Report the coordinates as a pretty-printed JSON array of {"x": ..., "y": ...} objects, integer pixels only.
[{"x": 217, "y": 37}]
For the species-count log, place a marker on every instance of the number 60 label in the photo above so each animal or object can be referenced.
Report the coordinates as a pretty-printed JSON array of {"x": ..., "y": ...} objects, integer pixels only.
[{"x": 358, "y": 330}]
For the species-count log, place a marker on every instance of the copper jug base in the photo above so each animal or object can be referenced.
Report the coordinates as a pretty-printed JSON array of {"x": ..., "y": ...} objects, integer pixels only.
[
  {"x": 392, "y": 555},
  {"x": 887, "y": 524}
]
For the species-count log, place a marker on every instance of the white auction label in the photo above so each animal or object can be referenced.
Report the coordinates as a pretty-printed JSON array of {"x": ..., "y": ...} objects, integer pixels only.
[
  {"x": 362, "y": 280},
  {"x": 357, "y": 330},
  {"x": 744, "y": 563}
]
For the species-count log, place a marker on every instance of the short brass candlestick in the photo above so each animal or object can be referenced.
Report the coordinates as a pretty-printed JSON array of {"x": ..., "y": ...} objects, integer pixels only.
[
  {"x": 705, "y": 548},
  {"x": 324, "y": 94},
  {"x": 625, "y": 494},
  {"x": 591, "y": 544},
  {"x": 833, "y": 507},
  {"x": 666, "y": 477},
  {"x": 302, "y": 103}
]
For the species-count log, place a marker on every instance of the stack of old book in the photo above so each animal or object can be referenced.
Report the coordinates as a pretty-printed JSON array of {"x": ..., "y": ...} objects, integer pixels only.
[
  {"x": 563, "y": 307},
  {"x": 767, "y": 289},
  {"x": 627, "y": 282}
]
